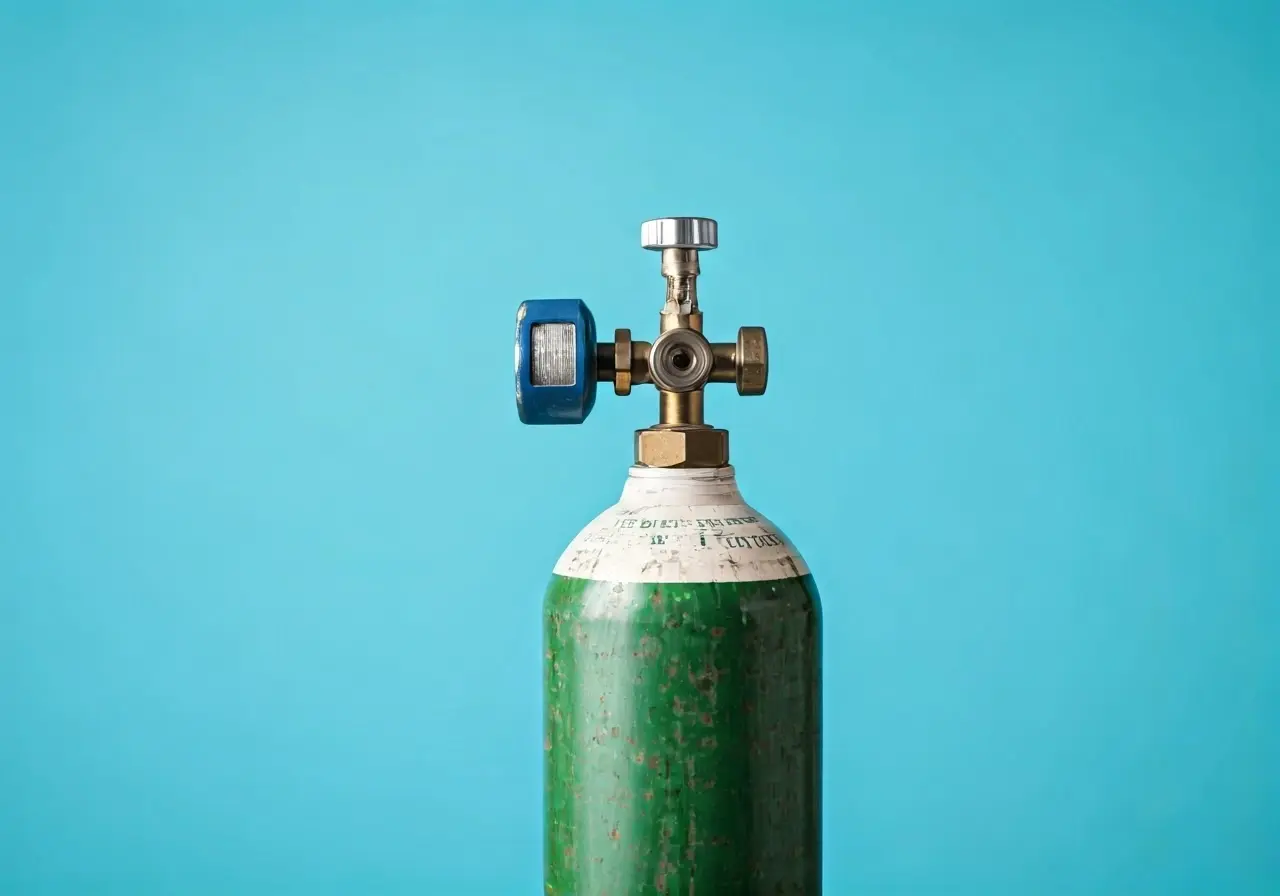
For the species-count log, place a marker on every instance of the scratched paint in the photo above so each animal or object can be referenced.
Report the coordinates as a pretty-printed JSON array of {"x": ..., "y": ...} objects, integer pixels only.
[{"x": 682, "y": 739}]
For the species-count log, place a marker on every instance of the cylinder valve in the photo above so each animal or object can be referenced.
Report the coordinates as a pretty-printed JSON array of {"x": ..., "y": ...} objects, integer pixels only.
[{"x": 559, "y": 361}]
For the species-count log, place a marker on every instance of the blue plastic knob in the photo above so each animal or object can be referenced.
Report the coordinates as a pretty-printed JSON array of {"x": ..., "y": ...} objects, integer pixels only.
[{"x": 555, "y": 361}]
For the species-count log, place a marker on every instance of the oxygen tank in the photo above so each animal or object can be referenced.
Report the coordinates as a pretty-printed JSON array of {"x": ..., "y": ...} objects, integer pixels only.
[{"x": 682, "y": 629}]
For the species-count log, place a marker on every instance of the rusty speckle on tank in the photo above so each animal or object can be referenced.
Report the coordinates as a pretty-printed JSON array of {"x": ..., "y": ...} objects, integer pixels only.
[
  {"x": 741, "y": 668},
  {"x": 705, "y": 681},
  {"x": 546, "y": 743},
  {"x": 650, "y": 647}
]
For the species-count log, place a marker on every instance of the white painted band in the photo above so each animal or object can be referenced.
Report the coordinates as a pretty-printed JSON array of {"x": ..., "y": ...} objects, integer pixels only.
[{"x": 681, "y": 526}]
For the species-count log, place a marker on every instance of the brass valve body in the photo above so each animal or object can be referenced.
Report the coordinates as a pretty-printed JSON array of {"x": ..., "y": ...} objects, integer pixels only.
[{"x": 681, "y": 362}]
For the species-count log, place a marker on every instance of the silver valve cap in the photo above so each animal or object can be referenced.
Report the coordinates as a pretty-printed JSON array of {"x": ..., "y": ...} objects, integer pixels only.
[{"x": 679, "y": 233}]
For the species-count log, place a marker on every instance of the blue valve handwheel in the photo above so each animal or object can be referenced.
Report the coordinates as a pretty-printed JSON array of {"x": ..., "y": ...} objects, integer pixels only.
[{"x": 555, "y": 361}]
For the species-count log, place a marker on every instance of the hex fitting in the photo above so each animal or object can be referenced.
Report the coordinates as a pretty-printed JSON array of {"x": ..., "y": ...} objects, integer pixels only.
[
  {"x": 682, "y": 447},
  {"x": 623, "y": 361}
]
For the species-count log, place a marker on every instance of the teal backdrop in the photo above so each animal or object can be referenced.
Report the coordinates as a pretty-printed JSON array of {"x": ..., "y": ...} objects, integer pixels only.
[{"x": 273, "y": 543}]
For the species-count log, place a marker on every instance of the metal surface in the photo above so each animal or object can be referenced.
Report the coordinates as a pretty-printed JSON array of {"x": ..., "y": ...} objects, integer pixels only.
[
  {"x": 726, "y": 366},
  {"x": 682, "y": 446},
  {"x": 679, "y": 233},
  {"x": 623, "y": 360},
  {"x": 553, "y": 356},
  {"x": 752, "y": 361},
  {"x": 680, "y": 362},
  {"x": 679, "y": 409},
  {"x": 682, "y": 751},
  {"x": 680, "y": 268}
]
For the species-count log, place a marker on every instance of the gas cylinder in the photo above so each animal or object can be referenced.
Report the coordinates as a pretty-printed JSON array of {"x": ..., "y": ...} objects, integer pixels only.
[{"x": 681, "y": 628}]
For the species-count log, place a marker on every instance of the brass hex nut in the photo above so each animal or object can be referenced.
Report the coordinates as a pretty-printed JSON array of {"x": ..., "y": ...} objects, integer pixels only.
[
  {"x": 623, "y": 359},
  {"x": 682, "y": 447},
  {"x": 752, "y": 361}
]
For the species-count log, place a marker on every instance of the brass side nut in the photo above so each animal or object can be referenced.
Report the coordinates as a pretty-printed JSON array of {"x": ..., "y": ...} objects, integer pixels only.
[
  {"x": 623, "y": 360},
  {"x": 694, "y": 446},
  {"x": 752, "y": 355}
]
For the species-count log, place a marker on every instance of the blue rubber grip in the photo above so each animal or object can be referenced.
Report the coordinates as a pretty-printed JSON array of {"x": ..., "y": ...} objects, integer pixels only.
[{"x": 546, "y": 404}]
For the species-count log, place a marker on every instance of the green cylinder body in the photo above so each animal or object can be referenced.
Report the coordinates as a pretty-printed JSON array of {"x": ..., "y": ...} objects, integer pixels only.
[{"x": 683, "y": 700}]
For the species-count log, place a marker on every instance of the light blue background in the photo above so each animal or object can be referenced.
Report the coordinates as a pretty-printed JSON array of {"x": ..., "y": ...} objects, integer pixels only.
[{"x": 272, "y": 541}]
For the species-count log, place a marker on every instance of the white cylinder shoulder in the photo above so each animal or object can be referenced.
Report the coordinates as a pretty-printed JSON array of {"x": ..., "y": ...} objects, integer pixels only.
[{"x": 681, "y": 526}]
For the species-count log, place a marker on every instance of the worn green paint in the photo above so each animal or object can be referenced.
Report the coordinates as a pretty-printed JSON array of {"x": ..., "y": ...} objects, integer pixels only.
[{"x": 682, "y": 738}]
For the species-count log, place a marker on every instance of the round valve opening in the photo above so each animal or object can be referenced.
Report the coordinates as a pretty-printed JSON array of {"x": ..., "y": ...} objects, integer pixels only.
[{"x": 681, "y": 360}]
